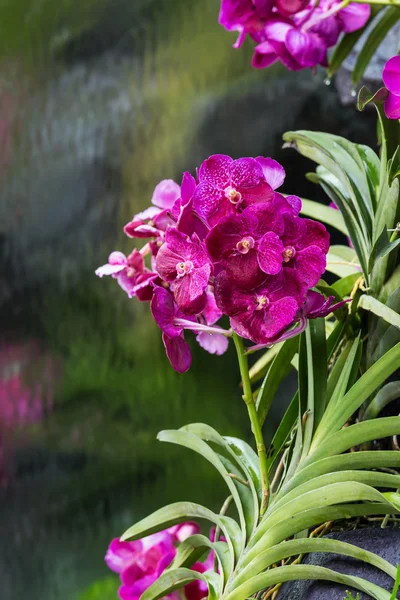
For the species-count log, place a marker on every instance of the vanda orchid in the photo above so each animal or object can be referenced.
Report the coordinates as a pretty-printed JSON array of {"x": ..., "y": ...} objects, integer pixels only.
[{"x": 226, "y": 259}]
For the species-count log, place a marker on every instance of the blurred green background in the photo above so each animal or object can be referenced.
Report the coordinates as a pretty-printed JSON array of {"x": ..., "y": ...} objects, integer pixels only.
[{"x": 99, "y": 100}]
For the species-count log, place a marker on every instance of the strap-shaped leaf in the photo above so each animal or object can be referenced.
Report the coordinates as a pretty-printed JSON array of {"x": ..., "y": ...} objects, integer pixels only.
[
  {"x": 278, "y": 371},
  {"x": 345, "y": 285},
  {"x": 341, "y": 265},
  {"x": 249, "y": 459},
  {"x": 372, "y": 379},
  {"x": 248, "y": 494},
  {"x": 334, "y": 493},
  {"x": 291, "y": 573},
  {"x": 305, "y": 546},
  {"x": 191, "y": 549},
  {"x": 312, "y": 518},
  {"x": 179, "y": 512},
  {"x": 378, "y": 308},
  {"x": 282, "y": 433},
  {"x": 347, "y": 375},
  {"x": 261, "y": 366},
  {"x": 354, "y": 435},
  {"x": 384, "y": 23},
  {"x": 189, "y": 440},
  {"x": 175, "y": 579},
  {"x": 389, "y": 392},
  {"x": 326, "y": 214},
  {"x": 316, "y": 376},
  {"x": 372, "y": 478},
  {"x": 375, "y": 459}
]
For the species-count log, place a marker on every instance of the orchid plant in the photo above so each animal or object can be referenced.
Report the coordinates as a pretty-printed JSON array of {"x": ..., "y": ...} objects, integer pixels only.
[{"x": 225, "y": 247}]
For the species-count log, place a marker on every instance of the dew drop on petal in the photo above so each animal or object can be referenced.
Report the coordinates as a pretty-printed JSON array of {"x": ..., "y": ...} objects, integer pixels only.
[{"x": 353, "y": 93}]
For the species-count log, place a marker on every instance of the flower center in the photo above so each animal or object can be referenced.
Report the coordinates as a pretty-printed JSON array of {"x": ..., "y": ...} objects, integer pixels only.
[
  {"x": 288, "y": 253},
  {"x": 184, "y": 268},
  {"x": 130, "y": 272},
  {"x": 233, "y": 195},
  {"x": 262, "y": 302},
  {"x": 246, "y": 244}
]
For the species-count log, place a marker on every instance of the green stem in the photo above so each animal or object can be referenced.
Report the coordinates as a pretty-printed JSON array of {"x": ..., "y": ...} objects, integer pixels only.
[{"x": 255, "y": 423}]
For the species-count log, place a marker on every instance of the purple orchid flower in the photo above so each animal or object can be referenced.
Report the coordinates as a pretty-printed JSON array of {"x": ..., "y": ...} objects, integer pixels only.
[
  {"x": 130, "y": 273},
  {"x": 248, "y": 244},
  {"x": 260, "y": 315},
  {"x": 391, "y": 79},
  {"x": 155, "y": 219},
  {"x": 300, "y": 38},
  {"x": 306, "y": 244},
  {"x": 141, "y": 563},
  {"x": 244, "y": 16},
  {"x": 317, "y": 306},
  {"x": 173, "y": 322},
  {"x": 227, "y": 186},
  {"x": 185, "y": 264}
]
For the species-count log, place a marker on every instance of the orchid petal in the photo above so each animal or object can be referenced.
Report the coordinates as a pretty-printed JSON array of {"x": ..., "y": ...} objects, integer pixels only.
[
  {"x": 214, "y": 343},
  {"x": 269, "y": 253},
  {"x": 178, "y": 353}
]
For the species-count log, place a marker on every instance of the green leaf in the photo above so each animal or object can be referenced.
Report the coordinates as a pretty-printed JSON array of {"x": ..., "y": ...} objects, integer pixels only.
[
  {"x": 248, "y": 458},
  {"x": 179, "y": 512},
  {"x": 248, "y": 495},
  {"x": 354, "y": 435},
  {"x": 389, "y": 392},
  {"x": 388, "y": 19},
  {"x": 278, "y": 371},
  {"x": 261, "y": 366},
  {"x": 296, "y": 572},
  {"x": 371, "y": 478},
  {"x": 372, "y": 379},
  {"x": 325, "y": 214},
  {"x": 339, "y": 265},
  {"x": 344, "y": 286},
  {"x": 378, "y": 308},
  {"x": 368, "y": 459},
  {"x": 282, "y": 433},
  {"x": 189, "y": 440},
  {"x": 274, "y": 526},
  {"x": 305, "y": 546},
  {"x": 378, "y": 248},
  {"x": 396, "y": 584},
  {"x": 346, "y": 44},
  {"x": 316, "y": 378}
]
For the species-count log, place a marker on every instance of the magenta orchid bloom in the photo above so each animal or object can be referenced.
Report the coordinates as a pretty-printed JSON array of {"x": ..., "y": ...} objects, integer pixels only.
[
  {"x": 261, "y": 314},
  {"x": 130, "y": 273},
  {"x": 306, "y": 244},
  {"x": 391, "y": 79},
  {"x": 227, "y": 186},
  {"x": 141, "y": 563},
  {"x": 227, "y": 244},
  {"x": 248, "y": 245},
  {"x": 244, "y": 16},
  {"x": 155, "y": 219},
  {"x": 185, "y": 264},
  {"x": 296, "y": 32},
  {"x": 317, "y": 306}
]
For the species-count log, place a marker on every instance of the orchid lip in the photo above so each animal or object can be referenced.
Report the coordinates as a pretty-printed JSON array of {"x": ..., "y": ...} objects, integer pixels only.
[
  {"x": 246, "y": 244},
  {"x": 288, "y": 253},
  {"x": 233, "y": 195},
  {"x": 262, "y": 302},
  {"x": 184, "y": 268}
]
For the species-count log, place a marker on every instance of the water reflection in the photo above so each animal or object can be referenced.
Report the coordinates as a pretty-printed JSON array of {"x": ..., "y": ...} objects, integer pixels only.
[{"x": 99, "y": 100}]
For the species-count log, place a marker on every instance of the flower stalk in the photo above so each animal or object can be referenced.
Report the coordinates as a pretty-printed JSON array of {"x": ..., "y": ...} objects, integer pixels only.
[{"x": 255, "y": 423}]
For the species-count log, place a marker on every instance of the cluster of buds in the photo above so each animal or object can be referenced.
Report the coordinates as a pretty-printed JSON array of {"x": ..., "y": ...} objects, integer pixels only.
[{"x": 225, "y": 243}]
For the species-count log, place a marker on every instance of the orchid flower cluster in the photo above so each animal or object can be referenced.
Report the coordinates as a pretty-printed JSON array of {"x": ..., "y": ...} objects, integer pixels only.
[
  {"x": 225, "y": 243},
  {"x": 141, "y": 563},
  {"x": 296, "y": 32}
]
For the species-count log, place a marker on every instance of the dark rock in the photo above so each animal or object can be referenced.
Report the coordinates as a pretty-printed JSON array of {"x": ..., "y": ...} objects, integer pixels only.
[{"x": 384, "y": 542}]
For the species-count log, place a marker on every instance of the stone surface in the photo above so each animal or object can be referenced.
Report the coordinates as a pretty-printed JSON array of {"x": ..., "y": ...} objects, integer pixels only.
[{"x": 384, "y": 542}]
